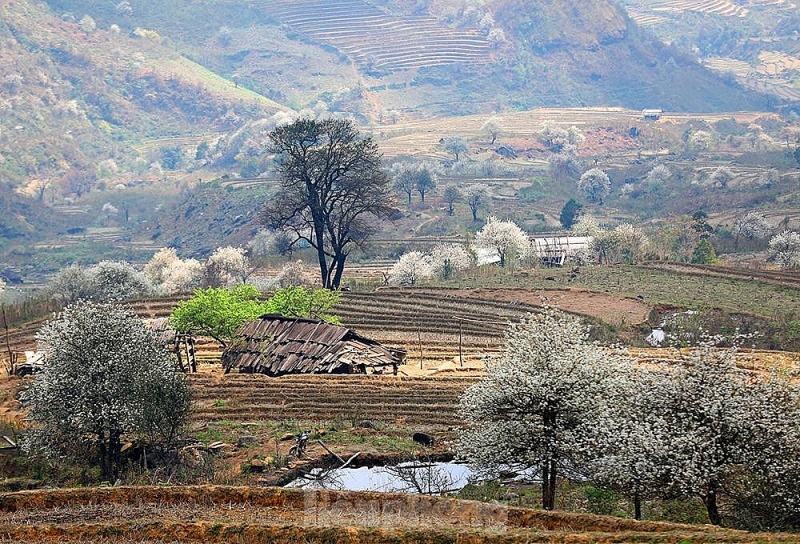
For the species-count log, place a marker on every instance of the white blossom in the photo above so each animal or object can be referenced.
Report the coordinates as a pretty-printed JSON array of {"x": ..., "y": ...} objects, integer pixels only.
[
  {"x": 118, "y": 280},
  {"x": 504, "y": 237},
  {"x": 410, "y": 268},
  {"x": 596, "y": 184},
  {"x": 785, "y": 249},
  {"x": 447, "y": 259},
  {"x": 752, "y": 225},
  {"x": 658, "y": 175},
  {"x": 228, "y": 265},
  {"x": 586, "y": 225},
  {"x": 295, "y": 274},
  {"x": 105, "y": 379},
  {"x": 539, "y": 407}
]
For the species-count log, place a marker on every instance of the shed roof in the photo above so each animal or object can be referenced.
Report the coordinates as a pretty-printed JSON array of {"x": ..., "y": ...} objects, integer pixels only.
[{"x": 277, "y": 345}]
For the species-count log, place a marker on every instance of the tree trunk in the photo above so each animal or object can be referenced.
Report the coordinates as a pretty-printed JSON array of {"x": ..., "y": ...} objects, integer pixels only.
[
  {"x": 637, "y": 506},
  {"x": 710, "y": 502},
  {"x": 549, "y": 484},
  {"x": 338, "y": 271}
]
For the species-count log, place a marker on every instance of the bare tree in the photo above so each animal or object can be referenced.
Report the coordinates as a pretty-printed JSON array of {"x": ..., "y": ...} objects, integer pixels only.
[
  {"x": 333, "y": 189},
  {"x": 492, "y": 128},
  {"x": 455, "y": 146},
  {"x": 476, "y": 197},
  {"x": 450, "y": 196}
]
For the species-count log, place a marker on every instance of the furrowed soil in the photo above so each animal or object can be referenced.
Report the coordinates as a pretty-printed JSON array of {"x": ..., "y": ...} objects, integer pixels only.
[{"x": 257, "y": 515}]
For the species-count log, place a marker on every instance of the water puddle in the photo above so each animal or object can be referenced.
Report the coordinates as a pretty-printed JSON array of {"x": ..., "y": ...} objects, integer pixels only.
[{"x": 411, "y": 477}]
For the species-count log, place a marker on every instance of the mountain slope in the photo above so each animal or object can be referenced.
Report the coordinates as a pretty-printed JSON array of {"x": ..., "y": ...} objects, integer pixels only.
[
  {"x": 368, "y": 58},
  {"x": 74, "y": 95}
]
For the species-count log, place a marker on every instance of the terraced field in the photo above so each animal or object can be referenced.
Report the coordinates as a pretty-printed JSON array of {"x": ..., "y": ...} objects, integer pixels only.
[
  {"x": 428, "y": 325},
  {"x": 422, "y": 402},
  {"x": 378, "y": 41}
]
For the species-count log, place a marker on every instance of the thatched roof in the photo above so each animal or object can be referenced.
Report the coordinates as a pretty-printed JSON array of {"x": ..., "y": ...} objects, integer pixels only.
[
  {"x": 162, "y": 329},
  {"x": 277, "y": 345}
]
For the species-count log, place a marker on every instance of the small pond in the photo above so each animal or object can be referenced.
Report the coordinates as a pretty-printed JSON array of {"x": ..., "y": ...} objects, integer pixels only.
[{"x": 409, "y": 477}]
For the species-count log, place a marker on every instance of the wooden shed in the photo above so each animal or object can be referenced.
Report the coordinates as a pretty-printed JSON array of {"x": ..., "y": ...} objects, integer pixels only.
[{"x": 276, "y": 345}]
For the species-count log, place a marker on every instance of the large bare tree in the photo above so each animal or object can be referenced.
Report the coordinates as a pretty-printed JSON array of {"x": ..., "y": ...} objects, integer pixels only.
[{"x": 333, "y": 190}]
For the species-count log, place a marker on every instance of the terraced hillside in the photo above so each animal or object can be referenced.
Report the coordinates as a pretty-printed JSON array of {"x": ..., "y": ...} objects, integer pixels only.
[
  {"x": 428, "y": 325},
  {"x": 423, "y": 402},
  {"x": 378, "y": 41},
  {"x": 755, "y": 40}
]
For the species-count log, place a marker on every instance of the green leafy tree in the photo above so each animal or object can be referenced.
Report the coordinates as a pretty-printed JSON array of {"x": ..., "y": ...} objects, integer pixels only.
[
  {"x": 569, "y": 213},
  {"x": 218, "y": 312},
  {"x": 333, "y": 190},
  {"x": 106, "y": 378},
  {"x": 305, "y": 302},
  {"x": 704, "y": 253},
  {"x": 171, "y": 157}
]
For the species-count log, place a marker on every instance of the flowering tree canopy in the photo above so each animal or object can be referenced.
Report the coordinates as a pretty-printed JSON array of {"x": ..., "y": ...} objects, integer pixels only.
[
  {"x": 505, "y": 237},
  {"x": 446, "y": 259},
  {"x": 106, "y": 281},
  {"x": 412, "y": 267},
  {"x": 596, "y": 184},
  {"x": 227, "y": 266},
  {"x": 105, "y": 376},
  {"x": 785, "y": 249},
  {"x": 540, "y": 405}
]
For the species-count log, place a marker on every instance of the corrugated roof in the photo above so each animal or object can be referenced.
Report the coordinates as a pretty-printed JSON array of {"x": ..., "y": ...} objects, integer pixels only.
[{"x": 277, "y": 345}]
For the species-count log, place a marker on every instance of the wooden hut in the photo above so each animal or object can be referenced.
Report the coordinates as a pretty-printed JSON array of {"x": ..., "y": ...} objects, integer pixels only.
[{"x": 276, "y": 345}]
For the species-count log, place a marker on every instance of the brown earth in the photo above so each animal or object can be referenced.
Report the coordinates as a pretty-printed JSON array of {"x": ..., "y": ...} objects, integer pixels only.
[
  {"x": 255, "y": 515},
  {"x": 610, "y": 309}
]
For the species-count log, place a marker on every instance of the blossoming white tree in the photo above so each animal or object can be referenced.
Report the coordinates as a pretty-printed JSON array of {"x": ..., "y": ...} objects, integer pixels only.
[
  {"x": 752, "y": 225},
  {"x": 504, "y": 237},
  {"x": 633, "y": 440},
  {"x": 596, "y": 184},
  {"x": 106, "y": 377},
  {"x": 540, "y": 405},
  {"x": 447, "y": 259},
  {"x": 106, "y": 281},
  {"x": 633, "y": 242},
  {"x": 171, "y": 274},
  {"x": 717, "y": 424},
  {"x": 228, "y": 266},
  {"x": 785, "y": 249},
  {"x": 412, "y": 267}
]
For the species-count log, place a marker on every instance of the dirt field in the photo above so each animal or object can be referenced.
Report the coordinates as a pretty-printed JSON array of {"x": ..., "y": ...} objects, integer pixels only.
[
  {"x": 258, "y": 515},
  {"x": 610, "y": 309}
]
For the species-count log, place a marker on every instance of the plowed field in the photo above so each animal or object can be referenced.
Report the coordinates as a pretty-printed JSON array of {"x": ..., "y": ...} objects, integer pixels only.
[{"x": 258, "y": 515}]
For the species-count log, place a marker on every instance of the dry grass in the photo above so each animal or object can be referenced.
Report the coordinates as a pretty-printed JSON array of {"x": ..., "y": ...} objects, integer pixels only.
[{"x": 238, "y": 514}]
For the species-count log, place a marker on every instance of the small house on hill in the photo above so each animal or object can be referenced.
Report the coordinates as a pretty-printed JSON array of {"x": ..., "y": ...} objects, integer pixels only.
[{"x": 276, "y": 345}]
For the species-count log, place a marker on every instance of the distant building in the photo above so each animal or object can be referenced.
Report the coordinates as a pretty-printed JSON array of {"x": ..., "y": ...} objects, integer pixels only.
[
  {"x": 652, "y": 114},
  {"x": 554, "y": 250}
]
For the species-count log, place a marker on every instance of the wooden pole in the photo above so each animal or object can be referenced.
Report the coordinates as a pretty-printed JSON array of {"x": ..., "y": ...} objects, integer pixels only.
[
  {"x": 460, "y": 343},
  {"x": 419, "y": 339}
]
